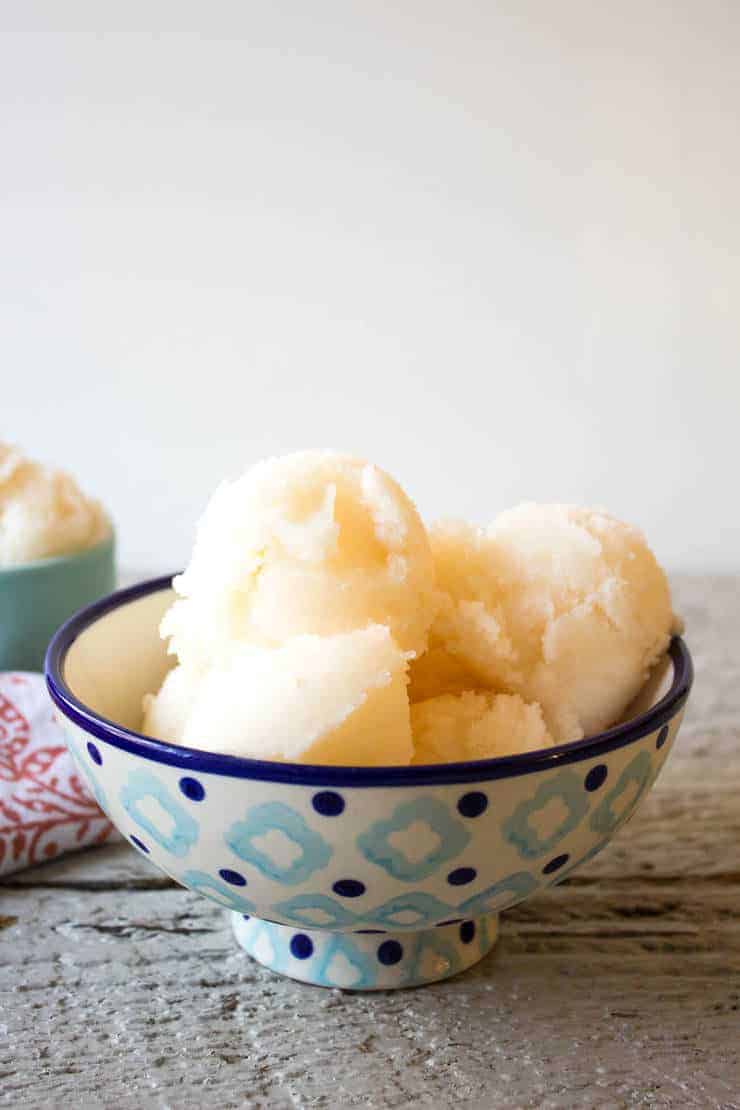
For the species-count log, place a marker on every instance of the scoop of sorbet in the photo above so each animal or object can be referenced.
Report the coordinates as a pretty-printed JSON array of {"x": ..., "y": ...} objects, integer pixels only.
[
  {"x": 332, "y": 699},
  {"x": 565, "y": 606},
  {"x": 315, "y": 543},
  {"x": 43, "y": 512},
  {"x": 453, "y": 728}
]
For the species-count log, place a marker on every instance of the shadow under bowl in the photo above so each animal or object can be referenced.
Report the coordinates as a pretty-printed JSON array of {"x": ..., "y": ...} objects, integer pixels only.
[{"x": 353, "y": 877}]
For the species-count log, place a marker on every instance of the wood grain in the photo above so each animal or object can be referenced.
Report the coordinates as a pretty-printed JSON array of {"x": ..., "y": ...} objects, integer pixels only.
[{"x": 618, "y": 988}]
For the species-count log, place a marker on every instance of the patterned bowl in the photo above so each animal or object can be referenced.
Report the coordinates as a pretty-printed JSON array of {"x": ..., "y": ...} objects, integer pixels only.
[{"x": 362, "y": 878}]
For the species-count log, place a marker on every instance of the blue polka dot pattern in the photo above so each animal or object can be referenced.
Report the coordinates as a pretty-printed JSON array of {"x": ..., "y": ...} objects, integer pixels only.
[
  {"x": 139, "y": 844},
  {"x": 348, "y": 888},
  {"x": 192, "y": 789},
  {"x": 596, "y": 777},
  {"x": 328, "y": 803},
  {"x": 555, "y": 864},
  {"x": 467, "y": 931},
  {"x": 662, "y": 737},
  {"x": 472, "y": 804},
  {"x": 301, "y": 946},
  {"x": 94, "y": 754},
  {"x": 461, "y": 876},
  {"x": 390, "y": 952},
  {"x": 232, "y": 877}
]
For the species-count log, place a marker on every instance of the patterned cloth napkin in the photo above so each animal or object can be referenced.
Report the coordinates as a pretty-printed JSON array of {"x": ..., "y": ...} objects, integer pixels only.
[{"x": 45, "y": 807}]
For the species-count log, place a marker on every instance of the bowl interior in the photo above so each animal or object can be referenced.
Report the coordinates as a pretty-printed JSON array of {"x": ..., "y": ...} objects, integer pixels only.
[
  {"x": 658, "y": 684},
  {"x": 120, "y": 657}
]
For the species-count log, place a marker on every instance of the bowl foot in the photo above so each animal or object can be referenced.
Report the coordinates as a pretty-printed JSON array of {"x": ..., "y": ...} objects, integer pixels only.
[{"x": 366, "y": 960}]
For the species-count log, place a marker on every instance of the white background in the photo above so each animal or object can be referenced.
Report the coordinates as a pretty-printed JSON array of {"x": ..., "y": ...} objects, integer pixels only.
[{"x": 494, "y": 247}]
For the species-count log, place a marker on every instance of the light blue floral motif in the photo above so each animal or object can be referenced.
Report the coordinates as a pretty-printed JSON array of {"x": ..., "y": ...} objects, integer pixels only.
[
  {"x": 565, "y": 787},
  {"x": 506, "y": 892},
  {"x": 333, "y": 969},
  {"x": 409, "y": 911},
  {"x": 142, "y": 785},
  {"x": 604, "y": 818},
  {"x": 451, "y": 834},
  {"x": 268, "y": 817},
  {"x": 210, "y": 887},
  {"x": 316, "y": 911}
]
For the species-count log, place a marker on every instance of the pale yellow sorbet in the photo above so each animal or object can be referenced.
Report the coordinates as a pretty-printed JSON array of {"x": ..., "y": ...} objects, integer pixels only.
[
  {"x": 564, "y": 606},
  {"x": 467, "y": 726},
  {"x": 166, "y": 713},
  {"x": 438, "y": 672},
  {"x": 313, "y": 543},
  {"x": 318, "y": 622},
  {"x": 43, "y": 512},
  {"x": 332, "y": 699}
]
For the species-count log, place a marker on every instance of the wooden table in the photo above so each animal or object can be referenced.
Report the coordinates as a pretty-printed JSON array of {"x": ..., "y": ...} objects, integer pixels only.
[{"x": 619, "y": 988}]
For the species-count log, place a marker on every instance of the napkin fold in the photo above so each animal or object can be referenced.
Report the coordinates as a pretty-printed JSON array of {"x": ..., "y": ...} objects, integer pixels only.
[{"x": 45, "y": 806}]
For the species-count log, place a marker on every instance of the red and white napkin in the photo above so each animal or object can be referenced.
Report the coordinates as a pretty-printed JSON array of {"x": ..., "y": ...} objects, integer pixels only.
[{"x": 45, "y": 806}]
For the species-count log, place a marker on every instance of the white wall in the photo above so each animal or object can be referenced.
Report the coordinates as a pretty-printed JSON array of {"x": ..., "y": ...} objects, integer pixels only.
[{"x": 494, "y": 247}]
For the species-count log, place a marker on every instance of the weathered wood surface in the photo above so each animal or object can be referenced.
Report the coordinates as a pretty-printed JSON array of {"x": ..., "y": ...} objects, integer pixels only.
[{"x": 619, "y": 988}]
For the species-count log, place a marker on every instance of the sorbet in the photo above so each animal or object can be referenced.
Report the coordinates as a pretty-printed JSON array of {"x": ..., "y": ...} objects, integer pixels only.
[
  {"x": 453, "y": 728},
  {"x": 43, "y": 512},
  {"x": 316, "y": 623},
  {"x": 313, "y": 543},
  {"x": 317, "y": 699},
  {"x": 562, "y": 605}
]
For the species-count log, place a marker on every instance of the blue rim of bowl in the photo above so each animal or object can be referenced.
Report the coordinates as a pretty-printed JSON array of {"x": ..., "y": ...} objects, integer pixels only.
[{"x": 306, "y": 774}]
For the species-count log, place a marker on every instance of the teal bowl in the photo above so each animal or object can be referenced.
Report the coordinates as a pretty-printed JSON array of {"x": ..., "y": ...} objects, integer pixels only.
[{"x": 35, "y": 598}]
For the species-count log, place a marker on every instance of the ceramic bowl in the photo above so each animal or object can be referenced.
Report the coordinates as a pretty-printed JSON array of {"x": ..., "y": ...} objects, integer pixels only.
[
  {"x": 36, "y": 597},
  {"x": 361, "y": 878}
]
